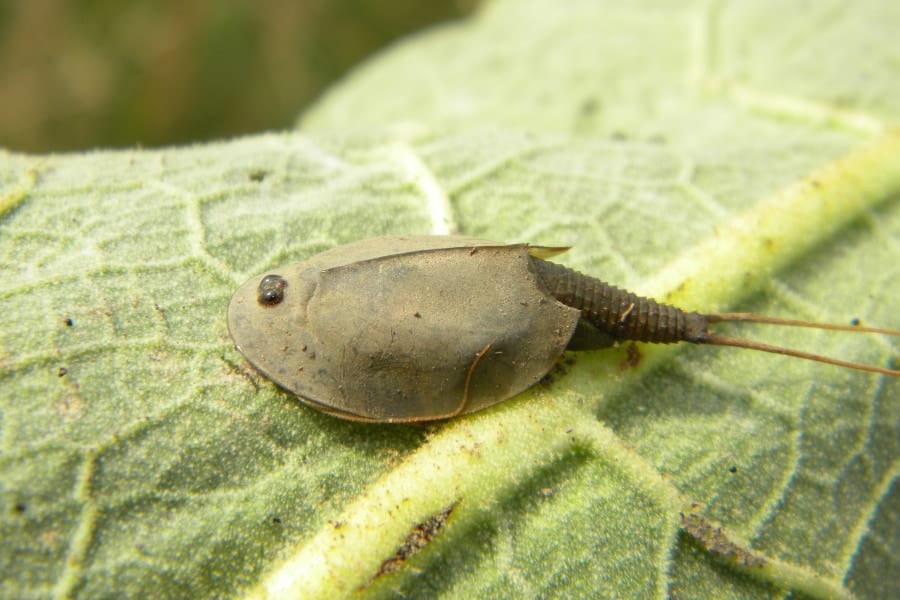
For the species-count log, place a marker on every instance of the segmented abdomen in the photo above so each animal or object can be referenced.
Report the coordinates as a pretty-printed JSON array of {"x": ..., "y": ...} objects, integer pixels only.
[{"x": 620, "y": 313}]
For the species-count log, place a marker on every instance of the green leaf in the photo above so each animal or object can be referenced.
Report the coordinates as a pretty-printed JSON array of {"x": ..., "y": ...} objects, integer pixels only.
[{"x": 721, "y": 156}]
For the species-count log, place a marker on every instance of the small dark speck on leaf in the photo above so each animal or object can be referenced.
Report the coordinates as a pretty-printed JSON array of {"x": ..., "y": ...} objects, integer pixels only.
[
  {"x": 732, "y": 469},
  {"x": 560, "y": 369},
  {"x": 855, "y": 322},
  {"x": 62, "y": 372},
  {"x": 68, "y": 322},
  {"x": 20, "y": 507},
  {"x": 633, "y": 357},
  {"x": 276, "y": 521},
  {"x": 589, "y": 107},
  {"x": 258, "y": 175}
]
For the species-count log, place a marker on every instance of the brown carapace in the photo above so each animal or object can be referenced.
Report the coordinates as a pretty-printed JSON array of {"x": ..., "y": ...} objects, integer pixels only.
[{"x": 407, "y": 329}]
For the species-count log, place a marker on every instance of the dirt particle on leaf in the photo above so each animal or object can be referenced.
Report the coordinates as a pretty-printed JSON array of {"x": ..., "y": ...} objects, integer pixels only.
[
  {"x": 633, "y": 357},
  {"x": 717, "y": 542},
  {"x": 71, "y": 407},
  {"x": 258, "y": 175},
  {"x": 421, "y": 535}
]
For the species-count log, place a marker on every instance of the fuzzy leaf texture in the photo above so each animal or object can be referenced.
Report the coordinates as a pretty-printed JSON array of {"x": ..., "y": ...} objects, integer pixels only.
[{"x": 721, "y": 155}]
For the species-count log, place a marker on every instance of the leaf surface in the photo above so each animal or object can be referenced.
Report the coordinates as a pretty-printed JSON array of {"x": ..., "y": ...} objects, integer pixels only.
[{"x": 719, "y": 155}]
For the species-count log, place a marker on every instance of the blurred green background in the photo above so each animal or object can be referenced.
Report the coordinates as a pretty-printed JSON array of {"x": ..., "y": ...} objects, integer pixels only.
[{"x": 78, "y": 74}]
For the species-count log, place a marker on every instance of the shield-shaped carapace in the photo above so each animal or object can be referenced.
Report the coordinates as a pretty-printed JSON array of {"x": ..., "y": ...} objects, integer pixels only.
[{"x": 403, "y": 329}]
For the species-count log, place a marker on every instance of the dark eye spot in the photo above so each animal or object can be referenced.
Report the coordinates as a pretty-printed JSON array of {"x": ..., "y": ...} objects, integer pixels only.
[{"x": 271, "y": 290}]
